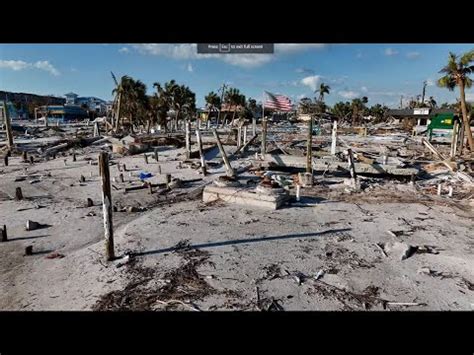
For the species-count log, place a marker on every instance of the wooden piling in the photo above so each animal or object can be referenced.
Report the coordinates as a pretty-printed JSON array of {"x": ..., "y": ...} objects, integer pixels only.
[
  {"x": 334, "y": 138},
  {"x": 230, "y": 172},
  {"x": 29, "y": 250},
  {"x": 5, "y": 160},
  {"x": 155, "y": 152},
  {"x": 454, "y": 140},
  {"x": 24, "y": 155},
  {"x": 159, "y": 169},
  {"x": 188, "y": 139},
  {"x": 254, "y": 126},
  {"x": 239, "y": 136},
  {"x": 121, "y": 177},
  {"x": 18, "y": 194},
  {"x": 309, "y": 147},
  {"x": 4, "y": 234},
  {"x": 245, "y": 135},
  {"x": 352, "y": 168},
  {"x": 32, "y": 159},
  {"x": 90, "y": 203},
  {"x": 201, "y": 153},
  {"x": 146, "y": 158},
  {"x": 264, "y": 137},
  {"x": 74, "y": 157},
  {"x": 107, "y": 205}
]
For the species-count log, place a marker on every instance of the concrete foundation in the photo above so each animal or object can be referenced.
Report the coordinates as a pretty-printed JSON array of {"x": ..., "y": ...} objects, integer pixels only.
[{"x": 244, "y": 196}]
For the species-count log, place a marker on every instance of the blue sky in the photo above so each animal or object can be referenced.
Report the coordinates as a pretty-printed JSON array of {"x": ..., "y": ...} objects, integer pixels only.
[{"x": 382, "y": 72}]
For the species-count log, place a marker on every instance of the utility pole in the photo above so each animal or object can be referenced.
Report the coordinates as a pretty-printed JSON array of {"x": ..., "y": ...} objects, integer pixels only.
[
  {"x": 401, "y": 99},
  {"x": 224, "y": 86},
  {"x": 424, "y": 91}
]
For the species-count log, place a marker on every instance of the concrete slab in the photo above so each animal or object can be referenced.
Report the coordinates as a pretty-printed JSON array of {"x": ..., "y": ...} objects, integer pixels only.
[{"x": 244, "y": 196}]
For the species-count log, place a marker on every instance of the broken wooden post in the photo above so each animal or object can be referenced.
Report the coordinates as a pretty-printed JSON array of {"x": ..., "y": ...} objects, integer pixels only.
[
  {"x": 264, "y": 137},
  {"x": 4, "y": 234},
  {"x": 454, "y": 140},
  {"x": 439, "y": 189},
  {"x": 96, "y": 129},
  {"x": 230, "y": 172},
  {"x": 29, "y": 250},
  {"x": 201, "y": 153},
  {"x": 159, "y": 169},
  {"x": 450, "y": 191},
  {"x": 18, "y": 194},
  {"x": 155, "y": 152},
  {"x": 334, "y": 138},
  {"x": 74, "y": 156},
  {"x": 188, "y": 139},
  {"x": 32, "y": 159},
  {"x": 150, "y": 186},
  {"x": 168, "y": 179},
  {"x": 239, "y": 136},
  {"x": 309, "y": 147},
  {"x": 146, "y": 158},
  {"x": 352, "y": 168},
  {"x": 82, "y": 178},
  {"x": 121, "y": 177},
  {"x": 298, "y": 189},
  {"x": 90, "y": 203},
  {"x": 254, "y": 125},
  {"x": 124, "y": 167},
  {"x": 24, "y": 155},
  {"x": 107, "y": 205},
  {"x": 245, "y": 135},
  {"x": 8, "y": 126},
  {"x": 245, "y": 146},
  {"x": 5, "y": 160}
]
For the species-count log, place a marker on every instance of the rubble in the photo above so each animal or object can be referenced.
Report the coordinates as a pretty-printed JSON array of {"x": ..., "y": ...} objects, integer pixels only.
[{"x": 252, "y": 212}]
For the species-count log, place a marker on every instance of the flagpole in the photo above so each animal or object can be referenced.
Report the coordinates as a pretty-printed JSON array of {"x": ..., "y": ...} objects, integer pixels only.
[{"x": 264, "y": 127}]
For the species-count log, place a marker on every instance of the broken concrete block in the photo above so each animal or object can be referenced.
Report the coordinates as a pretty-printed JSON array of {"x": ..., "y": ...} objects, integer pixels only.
[
  {"x": 424, "y": 270},
  {"x": 244, "y": 197},
  {"x": 31, "y": 226},
  {"x": 402, "y": 249}
]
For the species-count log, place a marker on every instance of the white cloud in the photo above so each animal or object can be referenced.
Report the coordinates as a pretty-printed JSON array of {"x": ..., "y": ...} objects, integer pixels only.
[
  {"x": 188, "y": 51},
  {"x": 124, "y": 50},
  {"x": 311, "y": 81},
  {"x": 304, "y": 71},
  {"x": 390, "y": 52},
  {"x": 297, "y": 47},
  {"x": 189, "y": 68},
  {"x": 430, "y": 82},
  {"x": 46, "y": 66},
  {"x": 413, "y": 55},
  {"x": 17, "y": 65},
  {"x": 470, "y": 96},
  {"x": 14, "y": 64},
  {"x": 73, "y": 70},
  {"x": 348, "y": 94},
  {"x": 364, "y": 89}
]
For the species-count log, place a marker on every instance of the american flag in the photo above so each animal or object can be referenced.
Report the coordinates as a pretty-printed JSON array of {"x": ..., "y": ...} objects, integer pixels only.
[{"x": 277, "y": 102}]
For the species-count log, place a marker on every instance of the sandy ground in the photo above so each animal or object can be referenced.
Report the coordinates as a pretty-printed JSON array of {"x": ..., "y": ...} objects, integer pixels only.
[{"x": 230, "y": 251}]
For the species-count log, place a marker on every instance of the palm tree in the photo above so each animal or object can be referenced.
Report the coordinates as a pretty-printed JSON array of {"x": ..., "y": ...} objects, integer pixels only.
[
  {"x": 323, "y": 89},
  {"x": 213, "y": 102},
  {"x": 457, "y": 74},
  {"x": 234, "y": 98},
  {"x": 162, "y": 102}
]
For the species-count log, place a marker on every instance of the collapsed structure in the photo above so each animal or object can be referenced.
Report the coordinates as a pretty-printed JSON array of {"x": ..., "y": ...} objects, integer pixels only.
[{"x": 255, "y": 165}]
